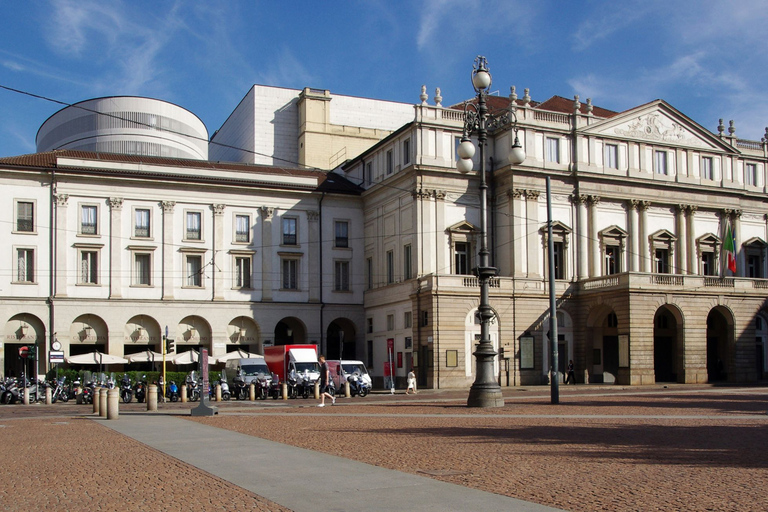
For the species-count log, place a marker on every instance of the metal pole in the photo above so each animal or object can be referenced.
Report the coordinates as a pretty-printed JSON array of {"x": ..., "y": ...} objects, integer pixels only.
[
  {"x": 485, "y": 391},
  {"x": 555, "y": 391}
]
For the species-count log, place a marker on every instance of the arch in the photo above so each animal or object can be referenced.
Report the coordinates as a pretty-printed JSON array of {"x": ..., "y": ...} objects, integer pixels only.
[
  {"x": 761, "y": 345},
  {"x": 243, "y": 332},
  {"x": 142, "y": 332},
  {"x": 720, "y": 321},
  {"x": 603, "y": 355},
  {"x": 21, "y": 329},
  {"x": 668, "y": 344},
  {"x": 341, "y": 339},
  {"x": 472, "y": 336},
  {"x": 192, "y": 331},
  {"x": 290, "y": 330},
  {"x": 87, "y": 333}
]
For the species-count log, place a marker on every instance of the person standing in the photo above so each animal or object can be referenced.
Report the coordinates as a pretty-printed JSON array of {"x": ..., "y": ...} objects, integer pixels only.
[
  {"x": 571, "y": 375},
  {"x": 325, "y": 378},
  {"x": 411, "y": 382}
]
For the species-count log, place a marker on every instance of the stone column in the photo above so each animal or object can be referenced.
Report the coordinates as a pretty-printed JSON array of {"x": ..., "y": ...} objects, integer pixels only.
[
  {"x": 313, "y": 256},
  {"x": 61, "y": 244},
  {"x": 681, "y": 256},
  {"x": 168, "y": 248},
  {"x": 218, "y": 251},
  {"x": 517, "y": 226},
  {"x": 440, "y": 241},
  {"x": 425, "y": 226},
  {"x": 582, "y": 246},
  {"x": 594, "y": 243},
  {"x": 115, "y": 247},
  {"x": 643, "y": 248},
  {"x": 693, "y": 262},
  {"x": 633, "y": 261},
  {"x": 267, "y": 279},
  {"x": 532, "y": 232}
]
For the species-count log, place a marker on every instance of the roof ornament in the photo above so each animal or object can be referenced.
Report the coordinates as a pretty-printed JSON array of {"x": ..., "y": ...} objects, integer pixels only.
[
  {"x": 527, "y": 98},
  {"x": 731, "y": 128},
  {"x": 423, "y": 96},
  {"x": 720, "y": 127},
  {"x": 765, "y": 138},
  {"x": 576, "y": 104},
  {"x": 512, "y": 94},
  {"x": 438, "y": 97},
  {"x": 589, "y": 106}
]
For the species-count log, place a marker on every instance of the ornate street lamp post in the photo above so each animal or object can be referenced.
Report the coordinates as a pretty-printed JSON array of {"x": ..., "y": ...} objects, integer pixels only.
[{"x": 485, "y": 391}]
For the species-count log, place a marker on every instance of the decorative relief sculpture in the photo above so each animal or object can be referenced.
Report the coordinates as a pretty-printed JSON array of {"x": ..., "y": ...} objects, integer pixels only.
[{"x": 657, "y": 128}]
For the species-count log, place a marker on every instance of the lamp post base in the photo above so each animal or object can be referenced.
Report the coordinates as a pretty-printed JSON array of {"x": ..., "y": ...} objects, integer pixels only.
[{"x": 485, "y": 395}]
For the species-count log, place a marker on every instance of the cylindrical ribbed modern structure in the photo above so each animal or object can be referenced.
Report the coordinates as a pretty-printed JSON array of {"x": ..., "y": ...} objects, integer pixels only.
[{"x": 126, "y": 125}]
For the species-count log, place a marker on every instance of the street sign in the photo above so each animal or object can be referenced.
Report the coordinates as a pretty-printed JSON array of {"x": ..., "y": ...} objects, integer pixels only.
[
  {"x": 56, "y": 356},
  {"x": 24, "y": 351}
]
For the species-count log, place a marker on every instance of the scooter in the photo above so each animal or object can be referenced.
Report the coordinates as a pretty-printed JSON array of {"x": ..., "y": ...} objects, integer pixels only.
[
  {"x": 11, "y": 394},
  {"x": 292, "y": 382},
  {"x": 173, "y": 392},
  {"x": 225, "y": 394},
  {"x": 262, "y": 386},
  {"x": 126, "y": 391},
  {"x": 307, "y": 385},
  {"x": 275, "y": 387},
  {"x": 193, "y": 387},
  {"x": 239, "y": 389},
  {"x": 357, "y": 386},
  {"x": 140, "y": 389}
]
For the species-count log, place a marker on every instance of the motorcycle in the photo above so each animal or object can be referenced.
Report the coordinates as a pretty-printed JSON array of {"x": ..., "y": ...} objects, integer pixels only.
[
  {"x": 225, "y": 394},
  {"x": 173, "y": 392},
  {"x": 274, "y": 387},
  {"x": 262, "y": 383},
  {"x": 59, "y": 391},
  {"x": 11, "y": 393},
  {"x": 357, "y": 386},
  {"x": 239, "y": 389},
  {"x": 193, "y": 387},
  {"x": 307, "y": 385},
  {"x": 126, "y": 390},
  {"x": 140, "y": 389},
  {"x": 292, "y": 382}
]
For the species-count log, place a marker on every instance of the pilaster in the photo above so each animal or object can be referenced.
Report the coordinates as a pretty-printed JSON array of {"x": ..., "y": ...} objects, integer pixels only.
[
  {"x": 268, "y": 254},
  {"x": 115, "y": 247},
  {"x": 61, "y": 244},
  {"x": 218, "y": 251},
  {"x": 313, "y": 255},
  {"x": 168, "y": 252}
]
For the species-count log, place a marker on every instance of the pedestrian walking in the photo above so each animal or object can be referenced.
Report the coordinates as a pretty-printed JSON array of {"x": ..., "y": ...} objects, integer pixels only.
[
  {"x": 411, "y": 382},
  {"x": 325, "y": 379},
  {"x": 571, "y": 379}
]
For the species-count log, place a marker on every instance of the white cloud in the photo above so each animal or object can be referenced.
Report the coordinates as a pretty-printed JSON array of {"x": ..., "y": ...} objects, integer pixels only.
[{"x": 286, "y": 70}]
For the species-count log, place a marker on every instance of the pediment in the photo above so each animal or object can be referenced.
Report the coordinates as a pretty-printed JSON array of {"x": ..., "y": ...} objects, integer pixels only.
[
  {"x": 613, "y": 232},
  {"x": 709, "y": 238},
  {"x": 663, "y": 234},
  {"x": 462, "y": 227},
  {"x": 755, "y": 241},
  {"x": 557, "y": 227},
  {"x": 661, "y": 124}
]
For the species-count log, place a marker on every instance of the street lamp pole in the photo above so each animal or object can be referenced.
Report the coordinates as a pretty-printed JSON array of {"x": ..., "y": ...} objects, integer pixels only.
[{"x": 485, "y": 391}]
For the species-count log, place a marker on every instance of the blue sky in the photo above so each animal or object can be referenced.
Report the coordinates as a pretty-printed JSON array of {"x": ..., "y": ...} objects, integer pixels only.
[{"x": 708, "y": 61}]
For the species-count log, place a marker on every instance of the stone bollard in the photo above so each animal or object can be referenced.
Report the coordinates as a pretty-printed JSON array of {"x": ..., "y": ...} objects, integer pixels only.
[
  {"x": 218, "y": 392},
  {"x": 284, "y": 389},
  {"x": 347, "y": 393},
  {"x": 95, "y": 400},
  {"x": 317, "y": 389},
  {"x": 151, "y": 397},
  {"x": 586, "y": 376},
  {"x": 48, "y": 396},
  {"x": 252, "y": 391},
  {"x": 184, "y": 394},
  {"x": 103, "y": 402},
  {"x": 113, "y": 404},
  {"x": 25, "y": 399}
]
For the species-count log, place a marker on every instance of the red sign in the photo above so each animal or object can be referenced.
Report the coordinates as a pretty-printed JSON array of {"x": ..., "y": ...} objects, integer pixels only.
[
  {"x": 24, "y": 351},
  {"x": 391, "y": 345}
]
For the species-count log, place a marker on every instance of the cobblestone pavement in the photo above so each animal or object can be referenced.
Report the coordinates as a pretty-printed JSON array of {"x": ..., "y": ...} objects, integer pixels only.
[{"x": 650, "y": 448}]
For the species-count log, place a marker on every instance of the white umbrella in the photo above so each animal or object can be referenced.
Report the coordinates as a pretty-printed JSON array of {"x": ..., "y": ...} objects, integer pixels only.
[
  {"x": 188, "y": 357},
  {"x": 96, "y": 358},
  {"x": 146, "y": 356},
  {"x": 237, "y": 354}
]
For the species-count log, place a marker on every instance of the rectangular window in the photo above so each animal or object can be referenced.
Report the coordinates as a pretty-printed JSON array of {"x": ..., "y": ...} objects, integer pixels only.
[
  {"x": 461, "y": 258},
  {"x": 390, "y": 322},
  {"x": 407, "y": 261},
  {"x": 612, "y": 262},
  {"x": 612, "y": 156},
  {"x": 369, "y": 173},
  {"x": 242, "y": 272},
  {"x": 708, "y": 264},
  {"x": 369, "y": 325},
  {"x": 289, "y": 231},
  {"x": 406, "y": 152},
  {"x": 407, "y": 320},
  {"x": 290, "y": 274},
  {"x": 25, "y": 261},
  {"x": 706, "y": 168},
  {"x": 194, "y": 271},
  {"x": 390, "y": 163},
  {"x": 750, "y": 174},
  {"x": 88, "y": 223},
  {"x": 424, "y": 318},
  {"x": 390, "y": 267},
  {"x": 661, "y": 261},
  {"x": 25, "y": 216},
  {"x": 194, "y": 226},
  {"x": 559, "y": 260},
  {"x": 754, "y": 266},
  {"x": 342, "y": 233},
  {"x": 89, "y": 267},
  {"x": 369, "y": 272},
  {"x": 142, "y": 269},
  {"x": 660, "y": 162},
  {"x": 141, "y": 223},
  {"x": 341, "y": 276},
  {"x": 553, "y": 150},
  {"x": 242, "y": 228}
]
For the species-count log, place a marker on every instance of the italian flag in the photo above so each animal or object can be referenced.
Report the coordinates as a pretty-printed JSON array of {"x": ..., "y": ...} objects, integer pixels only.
[{"x": 730, "y": 249}]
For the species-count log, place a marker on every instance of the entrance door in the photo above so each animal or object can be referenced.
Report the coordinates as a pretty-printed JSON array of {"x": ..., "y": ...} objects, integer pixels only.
[
  {"x": 663, "y": 358},
  {"x": 610, "y": 359}
]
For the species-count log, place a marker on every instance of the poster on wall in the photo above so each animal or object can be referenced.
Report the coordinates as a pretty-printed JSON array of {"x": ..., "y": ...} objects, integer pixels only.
[
  {"x": 623, "y": 350},
  {"x": 526, "y": 353}
]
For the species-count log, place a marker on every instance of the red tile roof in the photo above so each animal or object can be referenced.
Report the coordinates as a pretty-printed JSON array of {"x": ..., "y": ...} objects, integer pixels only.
[{"x": 554, "y": 104}]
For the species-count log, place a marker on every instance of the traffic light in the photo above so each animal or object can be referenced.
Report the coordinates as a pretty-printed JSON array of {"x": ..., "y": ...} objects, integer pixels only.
[
  {"x": 170, "y": 345},
  {"x": 31, "y": 351}
]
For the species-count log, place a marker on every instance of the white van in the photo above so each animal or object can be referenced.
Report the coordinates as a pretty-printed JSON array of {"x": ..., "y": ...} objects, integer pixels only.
[
  {"x": 251, "y": 367},
  {"x": 341, "y": 369}
]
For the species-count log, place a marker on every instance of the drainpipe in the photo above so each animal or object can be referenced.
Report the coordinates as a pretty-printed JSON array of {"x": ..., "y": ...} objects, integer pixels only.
[
  {"x": 51, "y": 266},
  {"x": 320, "y": 256}
]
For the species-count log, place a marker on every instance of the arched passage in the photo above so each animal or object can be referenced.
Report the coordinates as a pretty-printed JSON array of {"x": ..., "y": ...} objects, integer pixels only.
[
  {"x": 244, "y": 333},
  {"x": 290, "y": 330},
  {"x": 22, "y": 329},
  {"x": 719, "y": 341},
  {"x": 340, "y": 339},
  {"x": 603, "y": 359},
  {"x": 667, "y": 344}
]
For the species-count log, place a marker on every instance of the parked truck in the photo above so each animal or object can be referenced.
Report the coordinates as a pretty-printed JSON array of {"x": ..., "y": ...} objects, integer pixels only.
[{"x": 301, "y": 359}]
